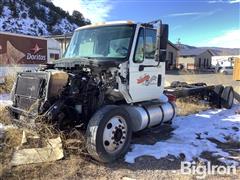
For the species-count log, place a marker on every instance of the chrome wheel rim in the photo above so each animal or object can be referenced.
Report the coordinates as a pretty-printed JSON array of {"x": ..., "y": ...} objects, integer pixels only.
[{"x": 115, "y": 134}]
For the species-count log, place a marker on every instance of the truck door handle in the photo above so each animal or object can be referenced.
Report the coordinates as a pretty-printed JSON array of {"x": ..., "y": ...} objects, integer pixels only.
[{"x": 141, "y": 67}]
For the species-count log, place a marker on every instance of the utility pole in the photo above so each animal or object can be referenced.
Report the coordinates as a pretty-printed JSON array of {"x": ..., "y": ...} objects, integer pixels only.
[{"x": 178, "y": 43}]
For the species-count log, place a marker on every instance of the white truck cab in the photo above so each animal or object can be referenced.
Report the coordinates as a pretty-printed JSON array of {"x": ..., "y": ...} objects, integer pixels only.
[{"x": 138, "y": 42}]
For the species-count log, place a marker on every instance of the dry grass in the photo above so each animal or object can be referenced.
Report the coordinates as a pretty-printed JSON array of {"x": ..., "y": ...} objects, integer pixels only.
[
  {"x": 5, "y": 117},
  {"x": 75, "y": 157},
  {"x": 73, "y": 145},
  {"x": 190, "y": 105},
  {"x": 12, "y": 137},
  {"x": 7, "y": 85},
  {"x": 11, "y": 140}
]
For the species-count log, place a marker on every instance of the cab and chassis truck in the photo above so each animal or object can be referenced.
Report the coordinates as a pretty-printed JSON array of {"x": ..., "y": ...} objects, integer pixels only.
[{"x": 110, "y": 82}]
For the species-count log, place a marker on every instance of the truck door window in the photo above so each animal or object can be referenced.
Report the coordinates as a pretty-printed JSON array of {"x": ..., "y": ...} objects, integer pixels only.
[
  {"x": 150, "y": 43},
  {"x": 139, "y": 51}
]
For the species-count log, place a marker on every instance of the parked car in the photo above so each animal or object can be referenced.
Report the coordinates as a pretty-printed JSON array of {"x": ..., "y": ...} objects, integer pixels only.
[{"x": 226, "y": 70}]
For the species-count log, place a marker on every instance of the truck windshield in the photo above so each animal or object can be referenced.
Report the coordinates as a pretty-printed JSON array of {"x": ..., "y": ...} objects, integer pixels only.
[{"x": 108, "y": 42}]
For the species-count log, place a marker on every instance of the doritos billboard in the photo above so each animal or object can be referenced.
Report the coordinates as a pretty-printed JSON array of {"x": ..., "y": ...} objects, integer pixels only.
[{"x": 21, "y": 49}]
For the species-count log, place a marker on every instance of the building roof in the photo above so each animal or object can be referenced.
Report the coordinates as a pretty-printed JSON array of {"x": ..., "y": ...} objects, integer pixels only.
[
  {"x": 193, "y": 52},
  {"x": 22, "y": 35},
  {"x": 62, "y": 36},
  {"x": 173, "y": 45}
]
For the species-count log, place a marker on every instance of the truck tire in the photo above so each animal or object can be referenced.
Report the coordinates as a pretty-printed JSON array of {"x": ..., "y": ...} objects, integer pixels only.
[
  {"x": 174, "y": 84},
  {"x": 109, "y": 134},
  {"x": 227, "y": 97},
  {"x": 215, "y": 99}
]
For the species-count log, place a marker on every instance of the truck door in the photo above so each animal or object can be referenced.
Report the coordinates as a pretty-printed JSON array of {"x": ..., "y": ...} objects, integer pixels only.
[{"x": 145, "y": 83}]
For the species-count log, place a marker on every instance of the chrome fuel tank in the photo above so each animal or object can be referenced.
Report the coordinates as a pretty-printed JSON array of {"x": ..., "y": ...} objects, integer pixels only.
[{"x": 151, "y": 115}]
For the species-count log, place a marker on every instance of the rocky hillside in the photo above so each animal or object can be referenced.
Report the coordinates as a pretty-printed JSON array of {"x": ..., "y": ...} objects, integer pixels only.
[{"x": 37, "y": 17}]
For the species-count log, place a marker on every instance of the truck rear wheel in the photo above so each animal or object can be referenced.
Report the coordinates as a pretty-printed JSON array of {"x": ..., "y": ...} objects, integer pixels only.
[
  {"x": 227, "y": 97},
  {"x": 215, "y": 97},
  {"x": 109, "y": 134}
]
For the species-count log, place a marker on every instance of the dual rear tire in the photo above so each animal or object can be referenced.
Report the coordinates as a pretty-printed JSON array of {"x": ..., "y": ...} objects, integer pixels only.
[
  {"x": 227, "y": 97},
  {"x": 223, "y": 97}
]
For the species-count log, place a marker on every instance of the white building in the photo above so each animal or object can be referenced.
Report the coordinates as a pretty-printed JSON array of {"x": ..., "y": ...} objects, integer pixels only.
[{"x": 223, "y": 61}]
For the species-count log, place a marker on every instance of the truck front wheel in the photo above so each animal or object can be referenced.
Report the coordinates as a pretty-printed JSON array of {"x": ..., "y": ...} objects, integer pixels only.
[{"x": 109, "y": 134}]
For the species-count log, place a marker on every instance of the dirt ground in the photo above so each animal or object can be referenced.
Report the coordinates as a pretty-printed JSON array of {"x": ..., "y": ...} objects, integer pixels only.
[
  {"x": 75, "y": 166},
  {"x": 80, "y": 166}
]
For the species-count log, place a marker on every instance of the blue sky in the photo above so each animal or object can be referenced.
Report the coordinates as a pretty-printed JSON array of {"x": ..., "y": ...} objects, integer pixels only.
[{"x": 195, "y": 22}]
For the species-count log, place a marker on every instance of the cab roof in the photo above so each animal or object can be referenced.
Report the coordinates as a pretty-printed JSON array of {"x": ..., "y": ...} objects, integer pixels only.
[{"x": 99, "y": 24}]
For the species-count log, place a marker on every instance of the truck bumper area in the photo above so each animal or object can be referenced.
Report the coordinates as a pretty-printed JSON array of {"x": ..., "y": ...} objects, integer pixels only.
[
  {"x": 51, "y": 114},
  {"x": 16, "y": 112}
]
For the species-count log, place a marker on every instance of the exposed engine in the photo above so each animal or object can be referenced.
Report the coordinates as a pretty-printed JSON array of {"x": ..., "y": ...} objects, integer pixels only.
[{"x": 66, "y": 97}]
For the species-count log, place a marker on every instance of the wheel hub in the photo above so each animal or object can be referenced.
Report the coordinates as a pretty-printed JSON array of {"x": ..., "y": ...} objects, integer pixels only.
[
  {"x": 118, "y": 135},
  {"x": 114, "y": 135}
]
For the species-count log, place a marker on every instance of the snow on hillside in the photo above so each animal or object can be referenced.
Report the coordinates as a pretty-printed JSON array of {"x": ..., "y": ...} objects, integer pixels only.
[
  {"x": 21, "y": 25},
  {"x": 25, "y": 22},
  {"x": 64, "y": 26},
  {"x": 191, "y": 137}
]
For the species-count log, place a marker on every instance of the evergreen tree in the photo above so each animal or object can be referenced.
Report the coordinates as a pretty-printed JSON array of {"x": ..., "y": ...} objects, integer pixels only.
[
  {"x": 13, "y": 8},
  {"x": 24, "y": 15},
  {"x": 40, "y": 14},
  {"x": 1, "y": 8}
]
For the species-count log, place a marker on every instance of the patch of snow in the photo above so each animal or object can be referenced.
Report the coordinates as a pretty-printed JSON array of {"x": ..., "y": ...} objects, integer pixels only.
[
  {"x": 64, "y": 26},
  {"x": 6, "y": 11},
  {"x": 191, "y": 136},
  {"x": 5, "y": 100}
]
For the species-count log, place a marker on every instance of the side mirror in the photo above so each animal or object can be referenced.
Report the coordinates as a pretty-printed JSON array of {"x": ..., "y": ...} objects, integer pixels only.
[{"x": 163, "y": 42}]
